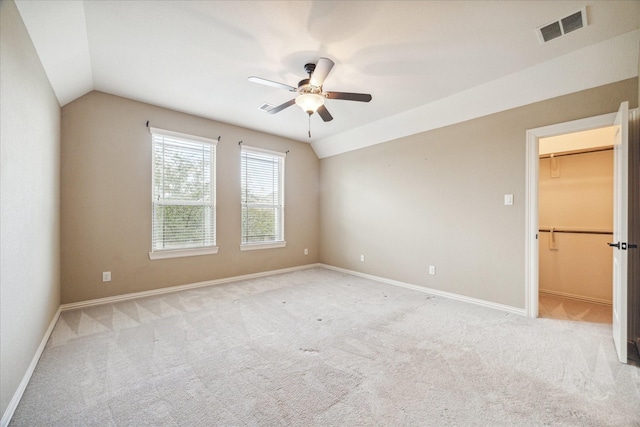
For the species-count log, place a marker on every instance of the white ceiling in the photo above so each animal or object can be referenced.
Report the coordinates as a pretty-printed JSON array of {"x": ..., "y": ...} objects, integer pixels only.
[{"x": 426, "y": 63}]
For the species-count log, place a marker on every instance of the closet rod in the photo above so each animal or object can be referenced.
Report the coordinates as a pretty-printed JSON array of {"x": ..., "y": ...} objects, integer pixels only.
[
  {"x": 568, "y": 230},
  {"x": 595, "y": 150}
]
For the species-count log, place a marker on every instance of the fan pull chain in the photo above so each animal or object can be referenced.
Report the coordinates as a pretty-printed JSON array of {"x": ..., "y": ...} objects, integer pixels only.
[{"x": 309, "y": 126}]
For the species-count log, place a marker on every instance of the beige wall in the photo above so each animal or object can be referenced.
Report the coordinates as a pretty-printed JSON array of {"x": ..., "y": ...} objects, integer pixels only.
[
  {"x": 581, "y": 198},
  {"x": 29, "y": 202},
  {"x": 436, "y": 198},
  {"x": 106, "y": 200}
]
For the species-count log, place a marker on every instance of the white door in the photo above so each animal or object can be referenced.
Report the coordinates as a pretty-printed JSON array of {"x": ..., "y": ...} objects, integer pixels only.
[{"x": 619, "y": 245}]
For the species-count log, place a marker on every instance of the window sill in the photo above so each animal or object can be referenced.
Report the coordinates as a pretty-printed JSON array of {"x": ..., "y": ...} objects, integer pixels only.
[
  {"x": 257, "y": 246},
  {"x": 212, "y": 250}
]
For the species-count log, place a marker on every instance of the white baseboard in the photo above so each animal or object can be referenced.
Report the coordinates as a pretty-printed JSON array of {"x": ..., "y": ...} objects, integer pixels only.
[
  {"x": 171, "y": 289},
  {"x": 13, "y": 404},
  {"x": 444, "y": 294},
  {"x": 576, "y": 297}
]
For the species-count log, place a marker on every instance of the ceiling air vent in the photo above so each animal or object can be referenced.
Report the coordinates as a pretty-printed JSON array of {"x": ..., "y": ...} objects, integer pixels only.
[{"x": 556, "y": 29}]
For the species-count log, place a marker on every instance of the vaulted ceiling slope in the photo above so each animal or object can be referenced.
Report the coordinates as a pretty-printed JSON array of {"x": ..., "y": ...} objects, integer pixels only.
[{"x": 426, "y": 63}]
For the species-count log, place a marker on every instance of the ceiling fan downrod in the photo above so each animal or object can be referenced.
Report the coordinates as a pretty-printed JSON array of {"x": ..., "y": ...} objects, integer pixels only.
[{"x": 309, "y": 69}]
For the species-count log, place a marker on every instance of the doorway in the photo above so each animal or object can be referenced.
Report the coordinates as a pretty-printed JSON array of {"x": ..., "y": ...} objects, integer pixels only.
[
  {"x": 575, "y": 211},
  {"x": 620, "y": 245},
  {"x": 532, "y": 214}
]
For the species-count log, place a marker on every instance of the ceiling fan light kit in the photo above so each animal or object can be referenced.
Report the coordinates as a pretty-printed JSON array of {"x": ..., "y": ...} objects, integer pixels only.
[
  {"x": 310, "y": 94},
  {"x": 310, "y": 102}
]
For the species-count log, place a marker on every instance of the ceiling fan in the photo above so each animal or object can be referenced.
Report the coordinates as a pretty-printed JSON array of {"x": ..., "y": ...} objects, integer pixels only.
[{"x": 311, "y": 96}]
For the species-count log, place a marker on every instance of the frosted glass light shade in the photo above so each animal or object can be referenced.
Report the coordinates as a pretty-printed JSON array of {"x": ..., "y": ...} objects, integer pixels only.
[{"x": 310, "y": 102}]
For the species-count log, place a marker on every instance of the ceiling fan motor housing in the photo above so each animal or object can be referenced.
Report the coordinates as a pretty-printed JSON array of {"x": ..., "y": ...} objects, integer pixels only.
[{"x": 305, "y": 86}]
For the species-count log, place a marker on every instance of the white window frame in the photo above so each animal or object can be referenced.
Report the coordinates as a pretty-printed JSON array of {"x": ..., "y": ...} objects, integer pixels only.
[
  {"x": 280, "y": 205},
  {"x": 155, "y": 253}
]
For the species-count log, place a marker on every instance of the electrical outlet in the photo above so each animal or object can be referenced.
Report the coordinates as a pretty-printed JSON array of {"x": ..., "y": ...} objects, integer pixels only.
[
  {"x": 362, "y": 258},
  {"x": 432, "y": 270},
  {"x": 306, "y": 251},
  {"x": 106, "y": 276}
]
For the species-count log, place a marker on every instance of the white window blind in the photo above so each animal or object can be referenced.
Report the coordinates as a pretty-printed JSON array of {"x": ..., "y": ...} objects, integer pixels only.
[
  {"x": 262, "y": 196},
  {"x": 184, "y": 211}
]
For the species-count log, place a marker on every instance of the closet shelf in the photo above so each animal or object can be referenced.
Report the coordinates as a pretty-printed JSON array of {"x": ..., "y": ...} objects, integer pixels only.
[
  {"x": 573, "y": 231},
  {"x": 573, "y": 153}
]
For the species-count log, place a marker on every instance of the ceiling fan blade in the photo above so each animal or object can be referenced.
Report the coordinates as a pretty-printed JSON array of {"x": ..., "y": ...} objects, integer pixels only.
[
  {"x": 323, "y": 67},
  {"x": 271, "y": 83},
  {"x": 282, "y": 106},
  {"x": 324, "y": 113},
  {"x": 361, "y": 97}
]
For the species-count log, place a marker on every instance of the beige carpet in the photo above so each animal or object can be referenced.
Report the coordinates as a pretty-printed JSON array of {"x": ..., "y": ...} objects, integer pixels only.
[
  {"x": 317, "y": 347},
  {"x": 555, "y": 307}
]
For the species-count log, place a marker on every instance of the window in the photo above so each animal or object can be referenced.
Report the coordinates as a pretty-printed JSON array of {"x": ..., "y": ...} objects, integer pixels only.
[
  {"x": 262, "y": 198},
  {"x": 184, "y": 210}
]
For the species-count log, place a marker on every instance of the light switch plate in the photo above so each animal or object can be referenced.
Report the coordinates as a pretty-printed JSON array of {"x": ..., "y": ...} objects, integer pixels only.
[{"x": 508, "y": 199}]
